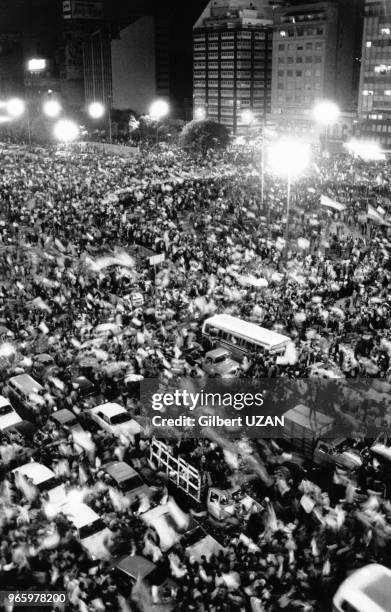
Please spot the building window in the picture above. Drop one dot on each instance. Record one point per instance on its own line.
(308, 45)
(318, 60)
(299, 60)
(283, 33)
(299, 73)
(368, 43)
(308, 73)
(281, 59)
(318, 72)
(320, 31)
(289, 73)
(280, 73)
(281, 47)
(367, 92)
(308, 59)
(280, 85)
(289, 60)
(385, 31)
(387, 92)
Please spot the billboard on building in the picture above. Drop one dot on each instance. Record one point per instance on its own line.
(83, 9)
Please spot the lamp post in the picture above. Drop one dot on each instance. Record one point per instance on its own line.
(158, 110)
(288, 158)
(326, 113)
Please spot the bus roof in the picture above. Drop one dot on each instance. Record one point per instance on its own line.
(249, 331)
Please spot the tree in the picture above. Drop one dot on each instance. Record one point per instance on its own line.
(200, 136)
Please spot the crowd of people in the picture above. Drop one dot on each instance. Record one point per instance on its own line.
(77, 229)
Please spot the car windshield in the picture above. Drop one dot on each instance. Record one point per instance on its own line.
(5, 410)
(117, 419)
(49, 484)
(131, 483)
(220, 358)
(91, 529)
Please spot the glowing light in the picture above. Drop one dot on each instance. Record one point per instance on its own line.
(35, 65)
(326, 112)
(288, 157)
(66, 130)
(16, 107)
(52, 108)
(368, 150)
(247, 117)
(200, 113)
(159, 109)
(96, 110)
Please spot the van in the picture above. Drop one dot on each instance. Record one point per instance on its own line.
(24, 392)
(92, 531)
(366, 590)
(242, 337)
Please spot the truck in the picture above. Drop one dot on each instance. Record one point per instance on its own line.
(311, 434)
(223, 505)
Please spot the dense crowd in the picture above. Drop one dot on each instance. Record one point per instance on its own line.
(76, 230)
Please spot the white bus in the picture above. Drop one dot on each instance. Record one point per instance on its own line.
(366, 590)
(241, 337)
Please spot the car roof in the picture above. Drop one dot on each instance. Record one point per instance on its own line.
(63, 416)
(4, 401)
(79, 514)
(36, 471)
(110, 409)
(368, 588)
(135, 566)
(119, 470)
(26, 383)
(43, 358)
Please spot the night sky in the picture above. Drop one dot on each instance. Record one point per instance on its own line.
(40, 21)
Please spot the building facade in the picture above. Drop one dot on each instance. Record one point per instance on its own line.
(232, 47)
(374, 101)
(80, 19)
(314, 48)
(97, 68)
(140, 64)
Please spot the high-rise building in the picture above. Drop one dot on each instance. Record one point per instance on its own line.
(232, 45)
(374, 102)
(11, 63)
(314, 51)
(80, 19)
(98, 85)
(140, 64)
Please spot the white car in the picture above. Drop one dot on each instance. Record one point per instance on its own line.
(8, 416)
(44, 479)
(114, 419)
(93, 533)
(368, 589)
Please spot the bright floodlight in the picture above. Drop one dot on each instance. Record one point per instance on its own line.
(35, 65)
(52, 108)
(326, 112)
(247, 117)
(289, 157)
(16, 107)
(66, 130)
(96, 110)
(159, 109)
(366, 149)
(200, 113)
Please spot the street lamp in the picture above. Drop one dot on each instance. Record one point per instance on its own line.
(96, 110)
(16, 107)
(158, 110)
(288, 158)
(52, 108)
(326, 113)
(66, 130)
(200, 113)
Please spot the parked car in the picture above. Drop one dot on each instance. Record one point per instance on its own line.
(218, 363)
(92, 532)
(26, 394)
(127, 570)
(43, 366)
(8, 415)
(114, 419)
(45, 480)
(127, 480)
(67, 419)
